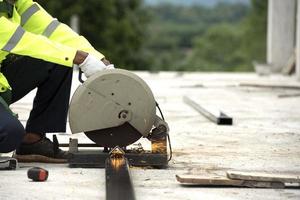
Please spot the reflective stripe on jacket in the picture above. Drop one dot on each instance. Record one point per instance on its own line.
(31, 31)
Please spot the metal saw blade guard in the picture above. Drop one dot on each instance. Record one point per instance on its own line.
(113, 107)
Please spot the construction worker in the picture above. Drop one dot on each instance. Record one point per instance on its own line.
(37, 51)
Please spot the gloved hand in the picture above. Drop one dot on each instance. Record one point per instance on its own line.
(91, 65)
(110, 66)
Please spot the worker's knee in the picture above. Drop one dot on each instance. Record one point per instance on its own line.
(11, 134)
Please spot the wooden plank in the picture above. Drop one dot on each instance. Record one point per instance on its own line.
(271, 86)
(288, 95)
(290, 66)
(213, 115)
(264, 184)
(194, 180)
(261, 176)
(214, 181)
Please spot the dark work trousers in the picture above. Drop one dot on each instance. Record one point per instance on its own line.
(50, 105)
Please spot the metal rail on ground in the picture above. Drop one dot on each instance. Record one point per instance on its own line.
(219, 118)
(118, 181)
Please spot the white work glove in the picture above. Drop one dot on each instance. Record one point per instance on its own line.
(92, 65)
(110, 66)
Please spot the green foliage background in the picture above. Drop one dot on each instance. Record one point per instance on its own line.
(114, 27)
(227, 37)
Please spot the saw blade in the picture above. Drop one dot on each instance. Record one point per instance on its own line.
(122, 136)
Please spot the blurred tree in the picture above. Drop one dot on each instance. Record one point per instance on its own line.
(217, 50)
(114, 27)
(168, 37)
(173, 30)
(255, 31)
(232, 46)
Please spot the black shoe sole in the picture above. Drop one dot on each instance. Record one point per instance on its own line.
(38, 158)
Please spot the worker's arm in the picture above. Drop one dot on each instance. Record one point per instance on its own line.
(16, 40)
(36, 20)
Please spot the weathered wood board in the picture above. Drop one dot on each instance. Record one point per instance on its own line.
(261, 176)
(289, 95)
(290, 66)
(213, 181)
(271, 86)
(194, 180)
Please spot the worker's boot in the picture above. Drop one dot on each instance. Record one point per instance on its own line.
(43, 150)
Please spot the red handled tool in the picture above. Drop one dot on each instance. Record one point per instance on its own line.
(37, 174)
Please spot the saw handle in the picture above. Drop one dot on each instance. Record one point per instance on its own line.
(80, 76)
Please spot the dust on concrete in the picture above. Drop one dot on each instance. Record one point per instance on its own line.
(265, 137)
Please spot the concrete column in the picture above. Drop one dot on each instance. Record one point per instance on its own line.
(281, 32)
(298, 42)
(74, 23)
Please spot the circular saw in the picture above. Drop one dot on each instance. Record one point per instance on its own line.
(113, 108)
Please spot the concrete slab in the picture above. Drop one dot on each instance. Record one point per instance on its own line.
(265, 137)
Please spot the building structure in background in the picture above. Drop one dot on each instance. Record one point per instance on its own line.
(298, 42)
(283, 34)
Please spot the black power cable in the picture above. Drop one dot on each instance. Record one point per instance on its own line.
(168, 136)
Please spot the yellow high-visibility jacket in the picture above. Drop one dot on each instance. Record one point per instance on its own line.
(31, 31)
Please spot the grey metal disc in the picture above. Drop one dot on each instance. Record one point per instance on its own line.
(113, 107)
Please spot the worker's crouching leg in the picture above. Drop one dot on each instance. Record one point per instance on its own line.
(50, 105)
(11, 131)
(53, 83)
